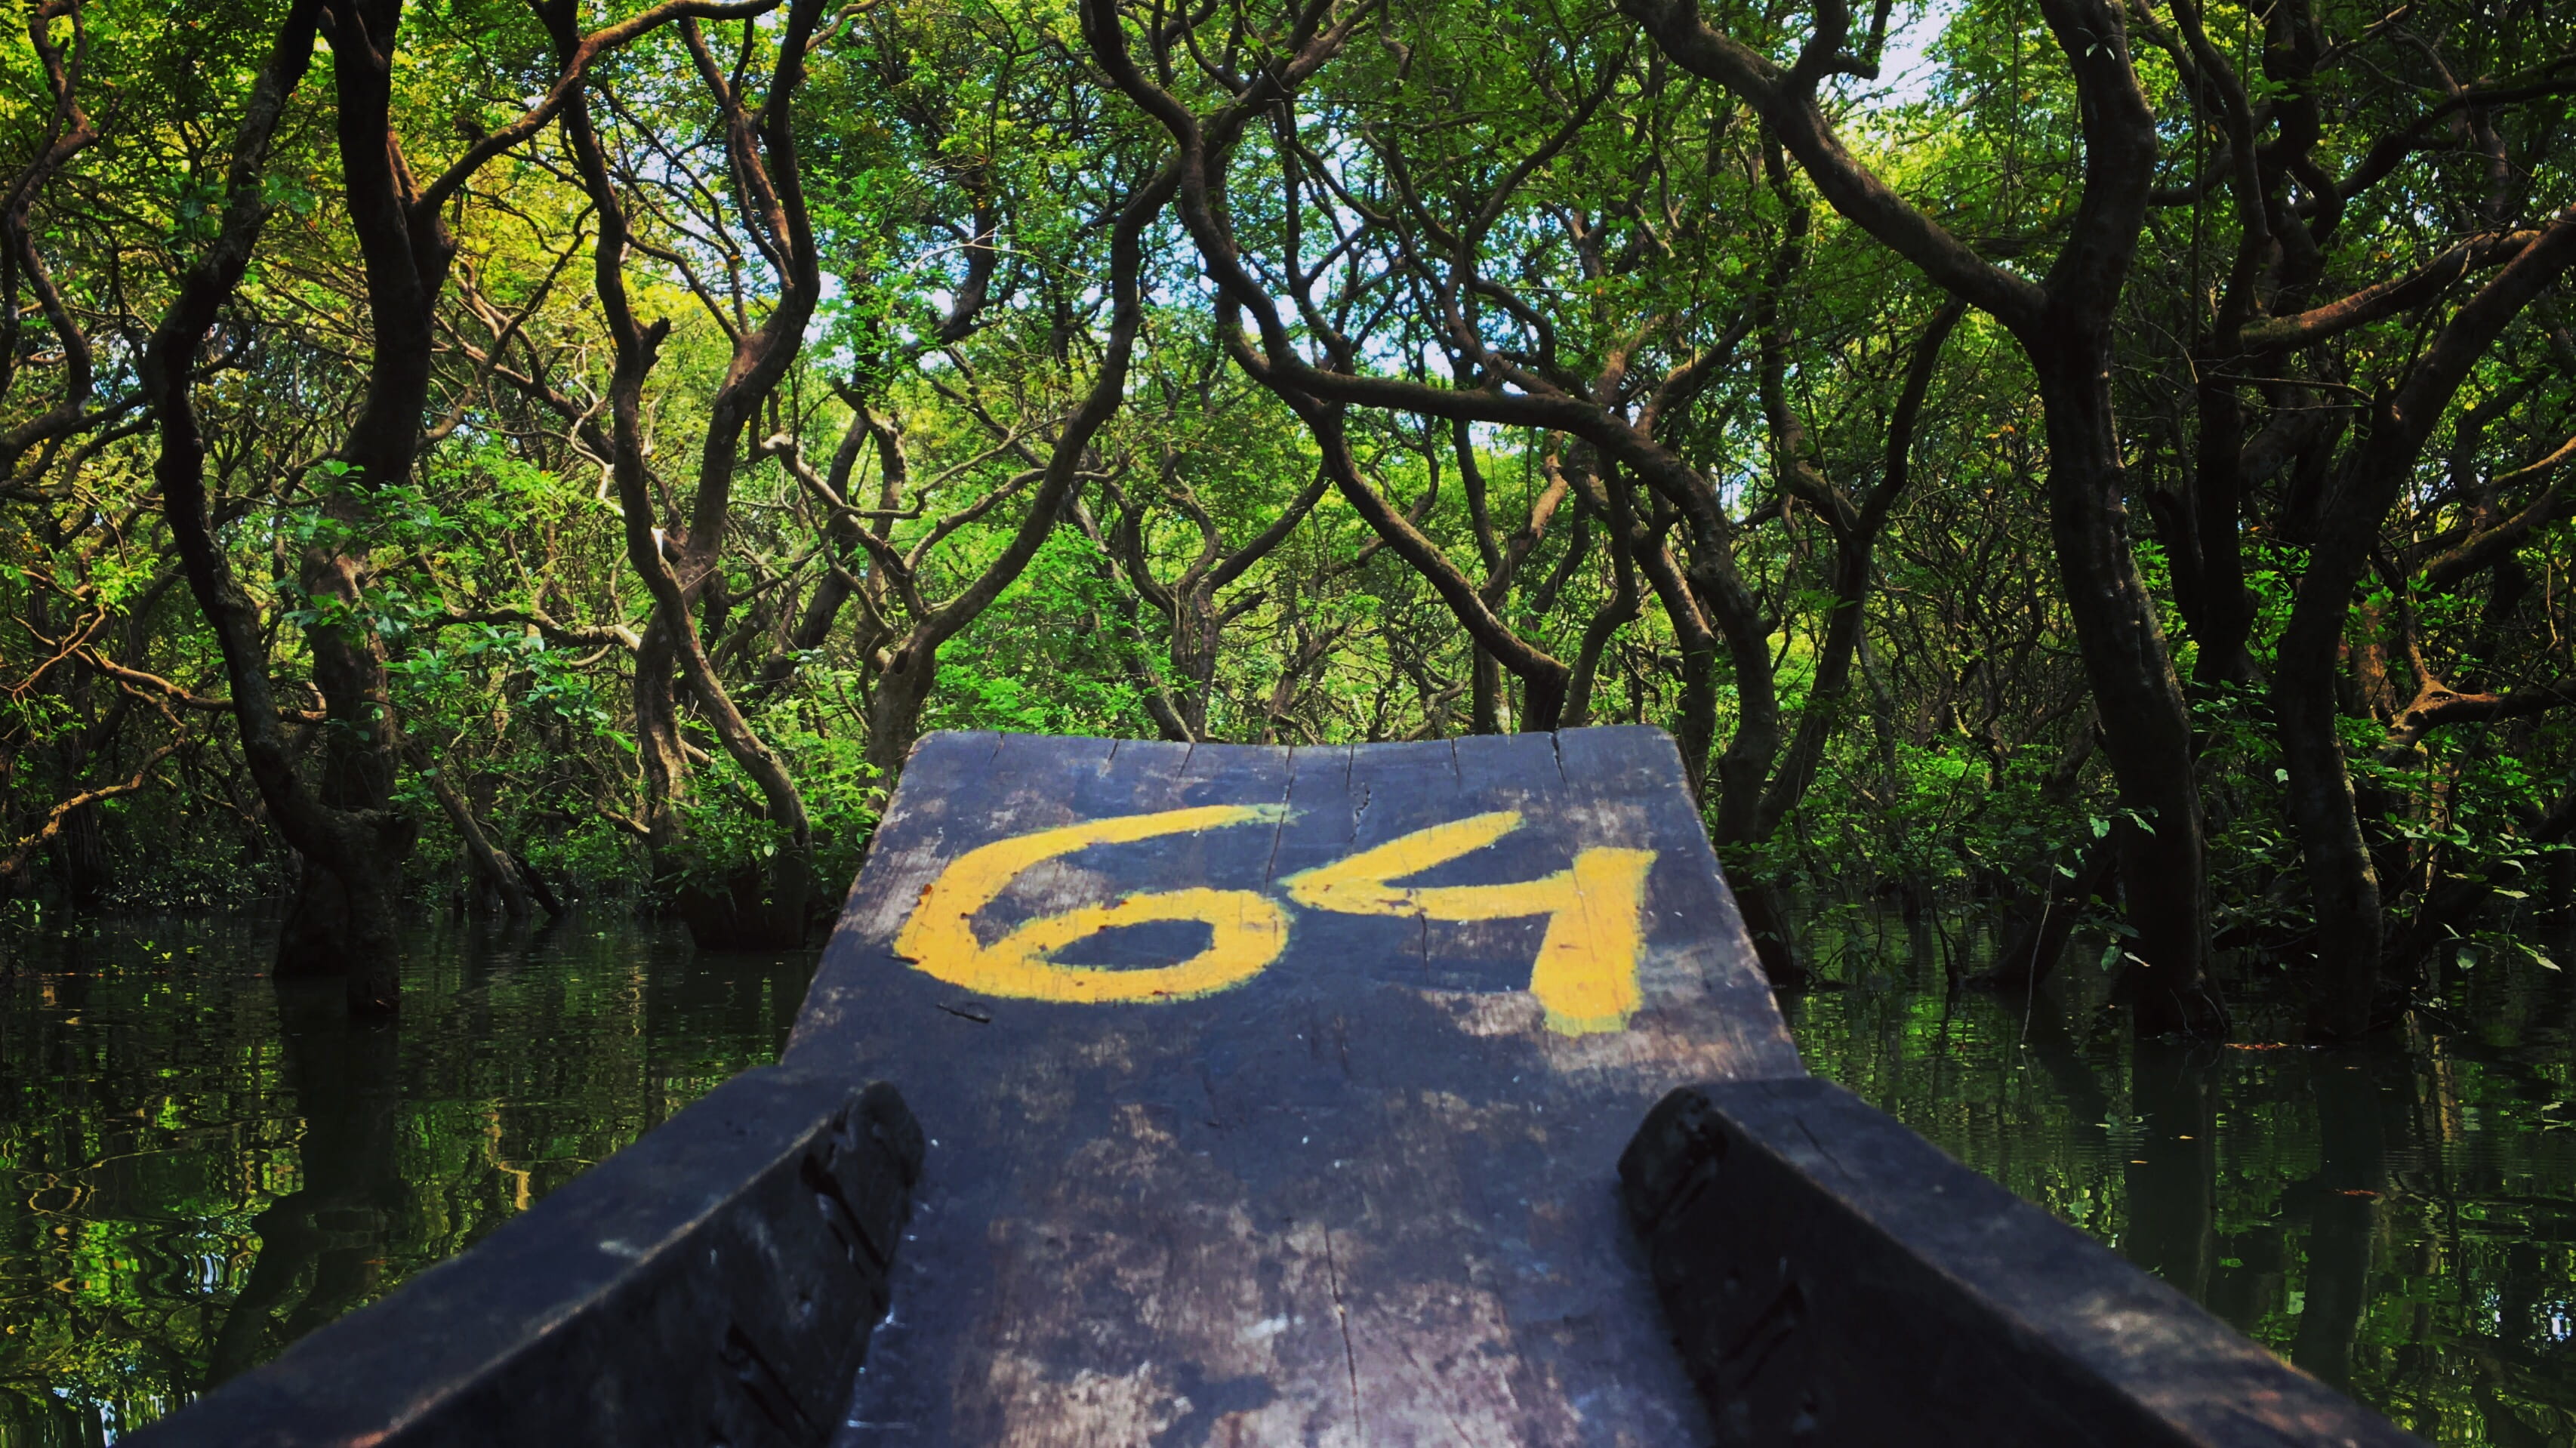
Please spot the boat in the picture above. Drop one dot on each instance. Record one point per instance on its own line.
(1159, 1094)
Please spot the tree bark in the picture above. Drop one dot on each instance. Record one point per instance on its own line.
(2145, 722)
(754, 905)
(1189, 604)
(405, 257)
(490, 867)
(348, 896)
(1319, 33)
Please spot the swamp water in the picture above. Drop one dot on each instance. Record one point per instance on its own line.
(197, 1165)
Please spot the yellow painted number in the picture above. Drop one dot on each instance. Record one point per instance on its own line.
(1246, 931)
(1586, 975)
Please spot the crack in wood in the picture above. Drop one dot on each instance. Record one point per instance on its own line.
(1350, 1352)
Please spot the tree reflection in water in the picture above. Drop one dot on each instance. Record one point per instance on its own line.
(201, 1164)
(2398, 1218)
(322, 1247)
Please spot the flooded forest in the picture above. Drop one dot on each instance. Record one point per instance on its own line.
(492, 491)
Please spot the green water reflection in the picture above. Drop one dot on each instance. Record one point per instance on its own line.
(2398, 1219)
(199, 1165)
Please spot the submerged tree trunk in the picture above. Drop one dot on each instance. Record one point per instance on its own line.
(2030, 952)
(757, 905)
(332, 1234)
(2145, 722)
(2343, 1220)
(2172, 1180)
(349, 898)
(345, 912)
(1855, 527)
(2041, 926)
(350, 926)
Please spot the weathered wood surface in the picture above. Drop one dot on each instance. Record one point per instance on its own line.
(1835, 1280)
(1363, 1194)
(712, 1284)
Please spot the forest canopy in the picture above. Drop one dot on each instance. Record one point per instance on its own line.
(2106, 460)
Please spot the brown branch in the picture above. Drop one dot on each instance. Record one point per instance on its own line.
(2447, 569)
(179, 470)
(562, 635)
(153, 686)
(569, 76)
(16, 858)
(1786, 99)
(2388, 298)
(2436, 705)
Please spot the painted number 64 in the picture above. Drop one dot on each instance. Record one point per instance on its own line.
(1585, 975)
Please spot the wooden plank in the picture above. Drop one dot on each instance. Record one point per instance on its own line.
(713, 1283)
(1350, 1182)
(1834, 1279)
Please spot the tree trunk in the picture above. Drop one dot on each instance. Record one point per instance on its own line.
(2343, 1221)
(2226, 621)
(845, 551)
(82, 853)
(406, 256)
(1485, 693)
(1766, 918)
(2146, 726)
(346, 916)
(491, 868)
(2173, 1191)
(1196, 633)
(348, 911)
(762, 906)
(1695, 712)
(79, 846)
(2343, 883)
(1616, 611)
(2030, 953)
(338, 1223)
(344, 902)
(894, 715)
(664, 764)
(352, 925)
